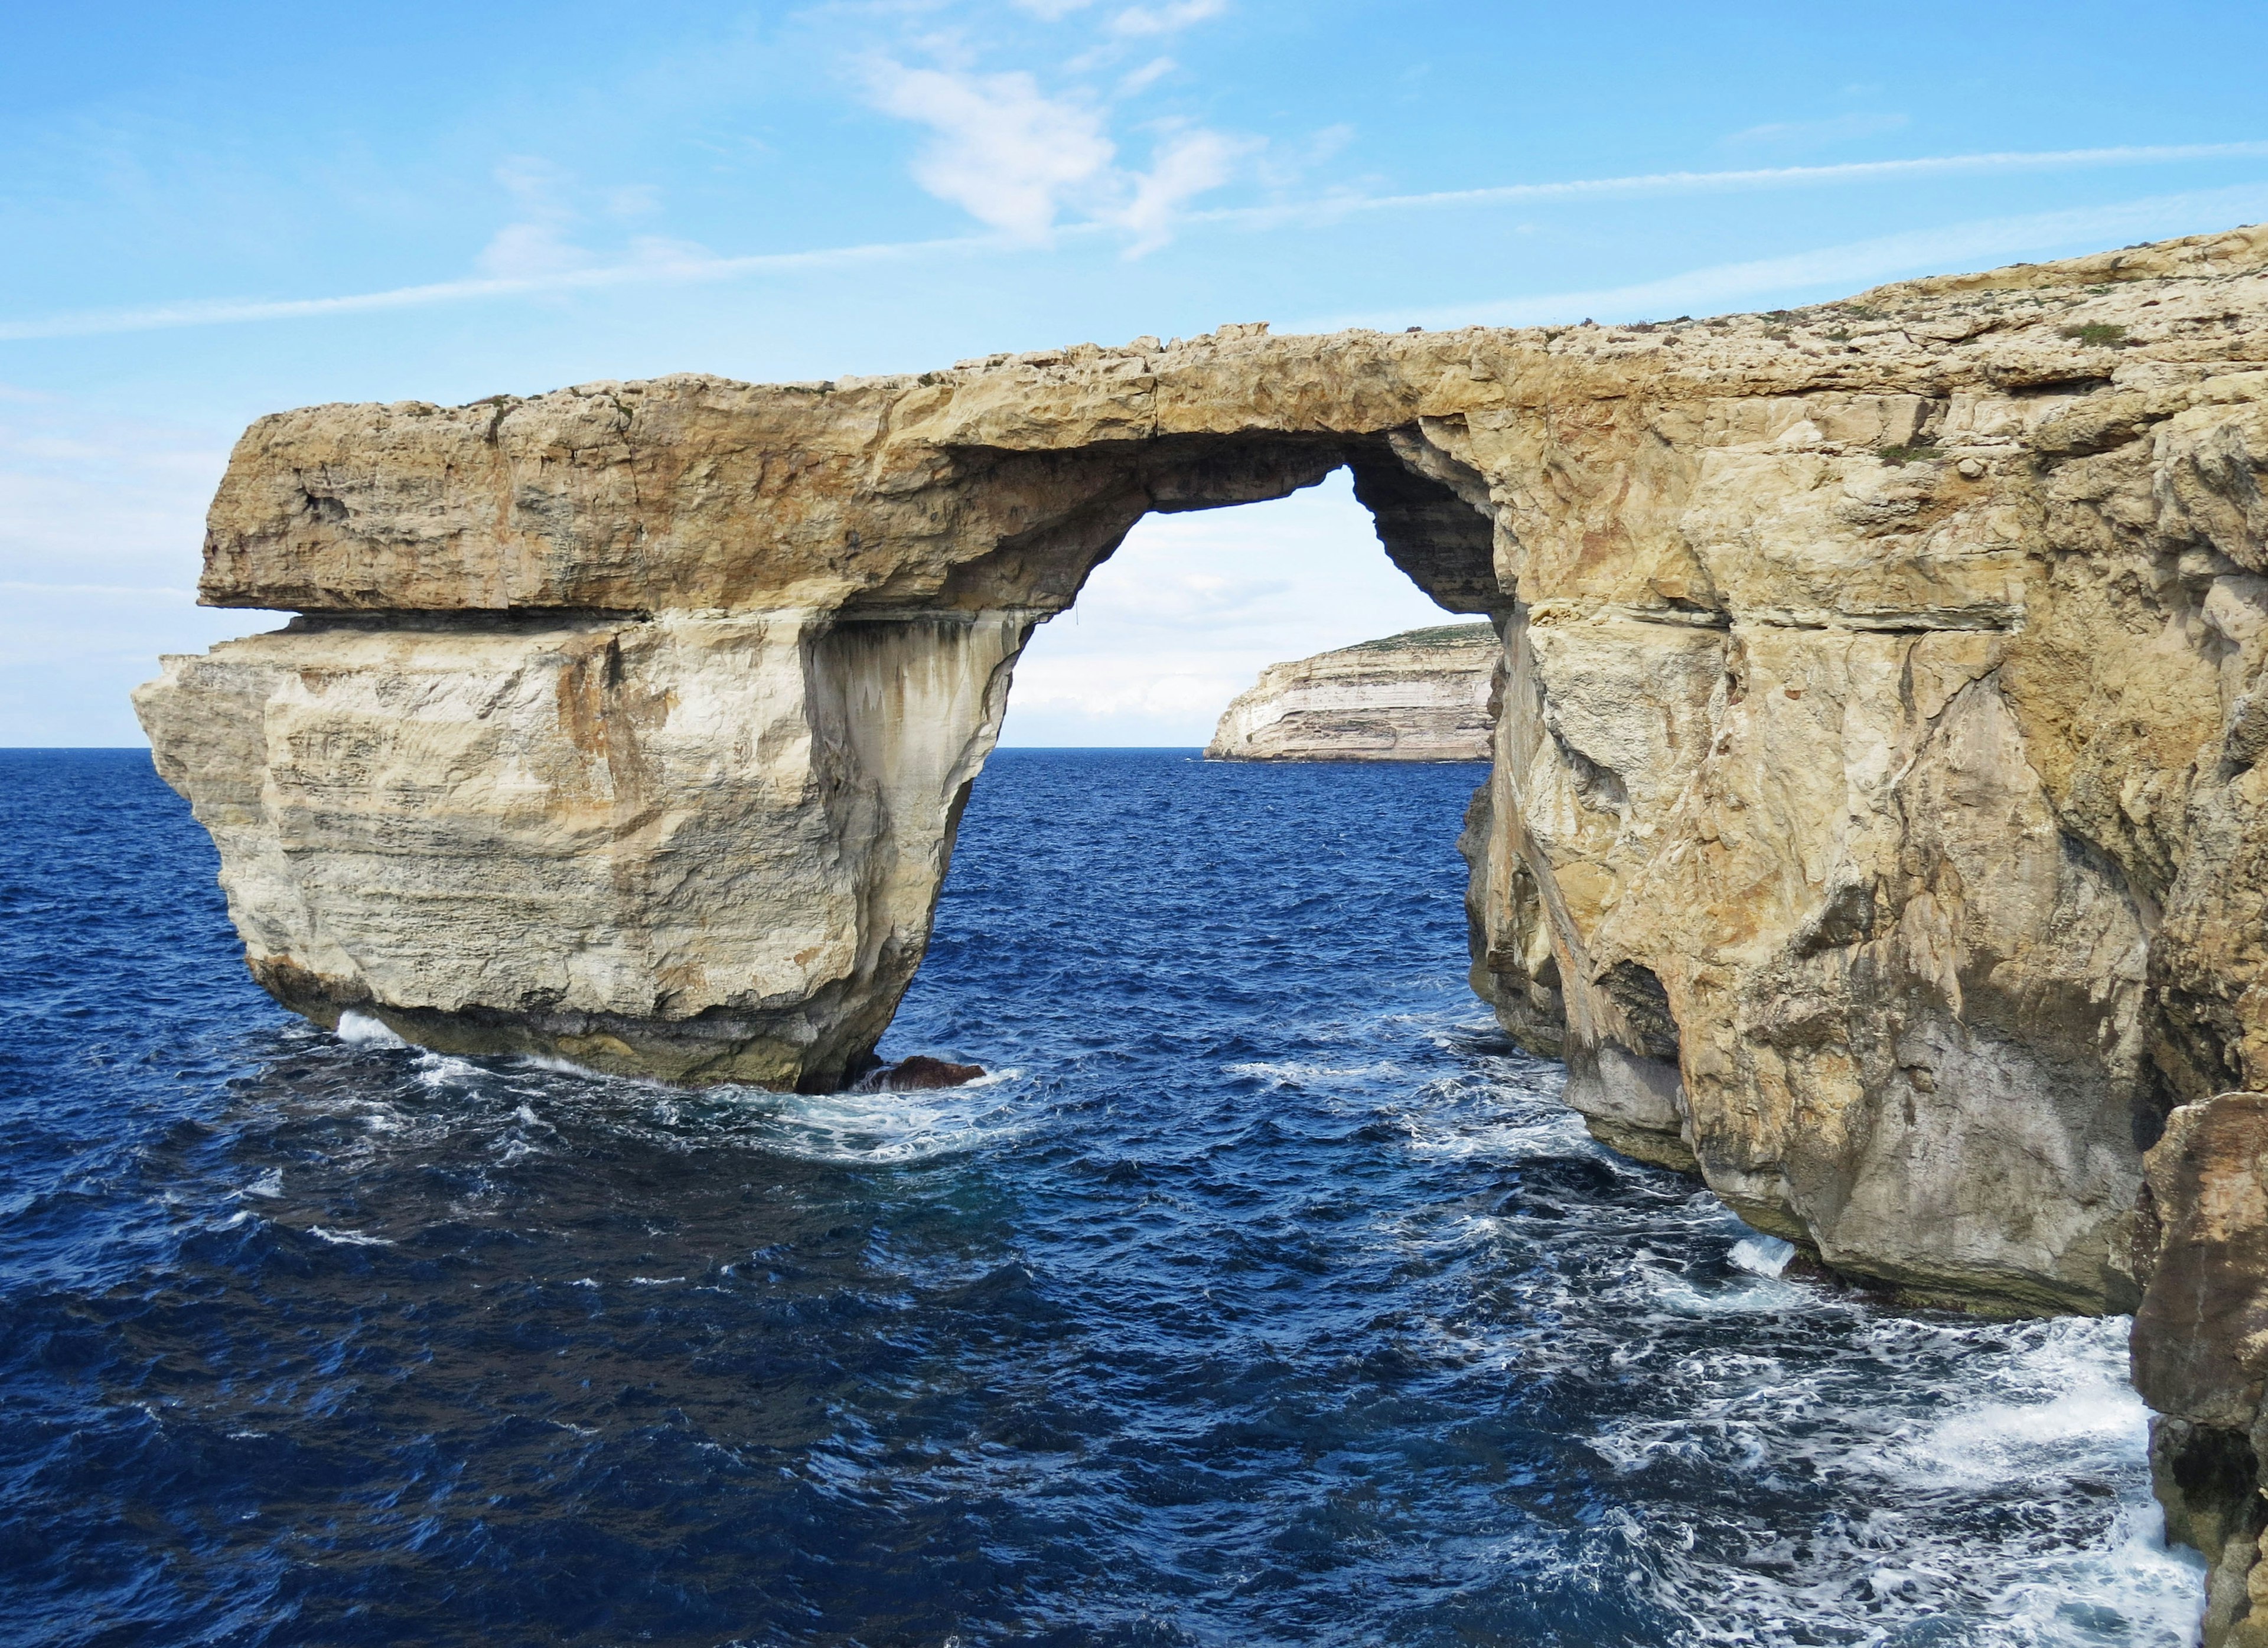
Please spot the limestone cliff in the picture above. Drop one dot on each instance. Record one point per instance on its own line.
(1422, 696)
(1873, 824)
(2201, 1348)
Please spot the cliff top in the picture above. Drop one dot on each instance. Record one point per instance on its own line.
(1476, 635)
(951, 488)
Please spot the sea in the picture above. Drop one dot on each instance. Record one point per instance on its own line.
(1261, 1294)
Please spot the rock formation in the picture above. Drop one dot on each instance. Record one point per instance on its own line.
(1422, 696)
(1874, 824)
(2201, 1348)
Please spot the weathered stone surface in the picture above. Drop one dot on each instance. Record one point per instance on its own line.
(1874, 821)
(2200, 1347)
(705, 848)
(1421, 695)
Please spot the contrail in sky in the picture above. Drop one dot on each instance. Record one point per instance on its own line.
(1845, 268)
(1765, 177)
(689, 270)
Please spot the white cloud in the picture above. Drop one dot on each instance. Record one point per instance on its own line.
(530, 251)
(633, 200)
(534, 244)
(1001, 150)
(1022, 158)
(1186, 164)
(536, 248)
(1162, 686)
(1165, 19)
(1147, 75)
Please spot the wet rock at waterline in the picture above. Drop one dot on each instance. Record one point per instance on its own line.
(1420, 696)
(1872, 825)
(921, 1073)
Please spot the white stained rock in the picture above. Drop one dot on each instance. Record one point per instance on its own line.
(1422, 696)
(705, 849)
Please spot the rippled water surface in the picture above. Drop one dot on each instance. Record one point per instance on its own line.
(1263, 1295)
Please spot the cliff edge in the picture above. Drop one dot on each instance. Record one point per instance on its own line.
(1422, 696)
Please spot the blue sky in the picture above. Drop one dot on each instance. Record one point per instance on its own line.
(218, 210)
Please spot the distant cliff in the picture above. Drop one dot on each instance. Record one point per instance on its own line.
(1419, 695)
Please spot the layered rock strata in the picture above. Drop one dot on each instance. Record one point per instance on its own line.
(1422, 696)
(1872, 825)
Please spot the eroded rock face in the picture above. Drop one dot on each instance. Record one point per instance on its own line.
(1873, 820)
(1422, 696)
(2200, 1347)
(703, 848)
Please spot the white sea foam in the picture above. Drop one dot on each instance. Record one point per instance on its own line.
(1991, 1475)
(1762, 1255)
(1293, 1073)
(558, 1066)
(2037, 1414)
(889, 1127)
(2064, 1398)
(361, 1030)
(348, 1238)
(440, 1070)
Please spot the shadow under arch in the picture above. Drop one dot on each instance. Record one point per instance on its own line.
(1431, 511)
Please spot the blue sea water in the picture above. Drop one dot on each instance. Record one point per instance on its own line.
(1264, 1295)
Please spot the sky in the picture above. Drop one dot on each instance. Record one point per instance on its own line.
(221, 210)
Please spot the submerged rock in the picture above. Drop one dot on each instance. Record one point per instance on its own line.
(921, 1073)
(1874, 825)
(1419, 695)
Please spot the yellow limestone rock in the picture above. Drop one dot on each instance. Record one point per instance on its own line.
(1874, 824)
(1422, 696)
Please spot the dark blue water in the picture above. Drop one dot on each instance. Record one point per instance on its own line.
(1263, 1297)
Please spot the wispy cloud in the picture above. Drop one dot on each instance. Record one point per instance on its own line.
(1165, 19)
(1785, 134)
(534, 243)
(658, 269)
(999, 148)
(1848, 266)
(1186, 164)
(1023, 159)
(1746, 178)
(662, 263)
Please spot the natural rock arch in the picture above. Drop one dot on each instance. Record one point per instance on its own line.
(1872, 805)
(665, 896)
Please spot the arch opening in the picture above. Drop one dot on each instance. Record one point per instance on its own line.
(1183, 616)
